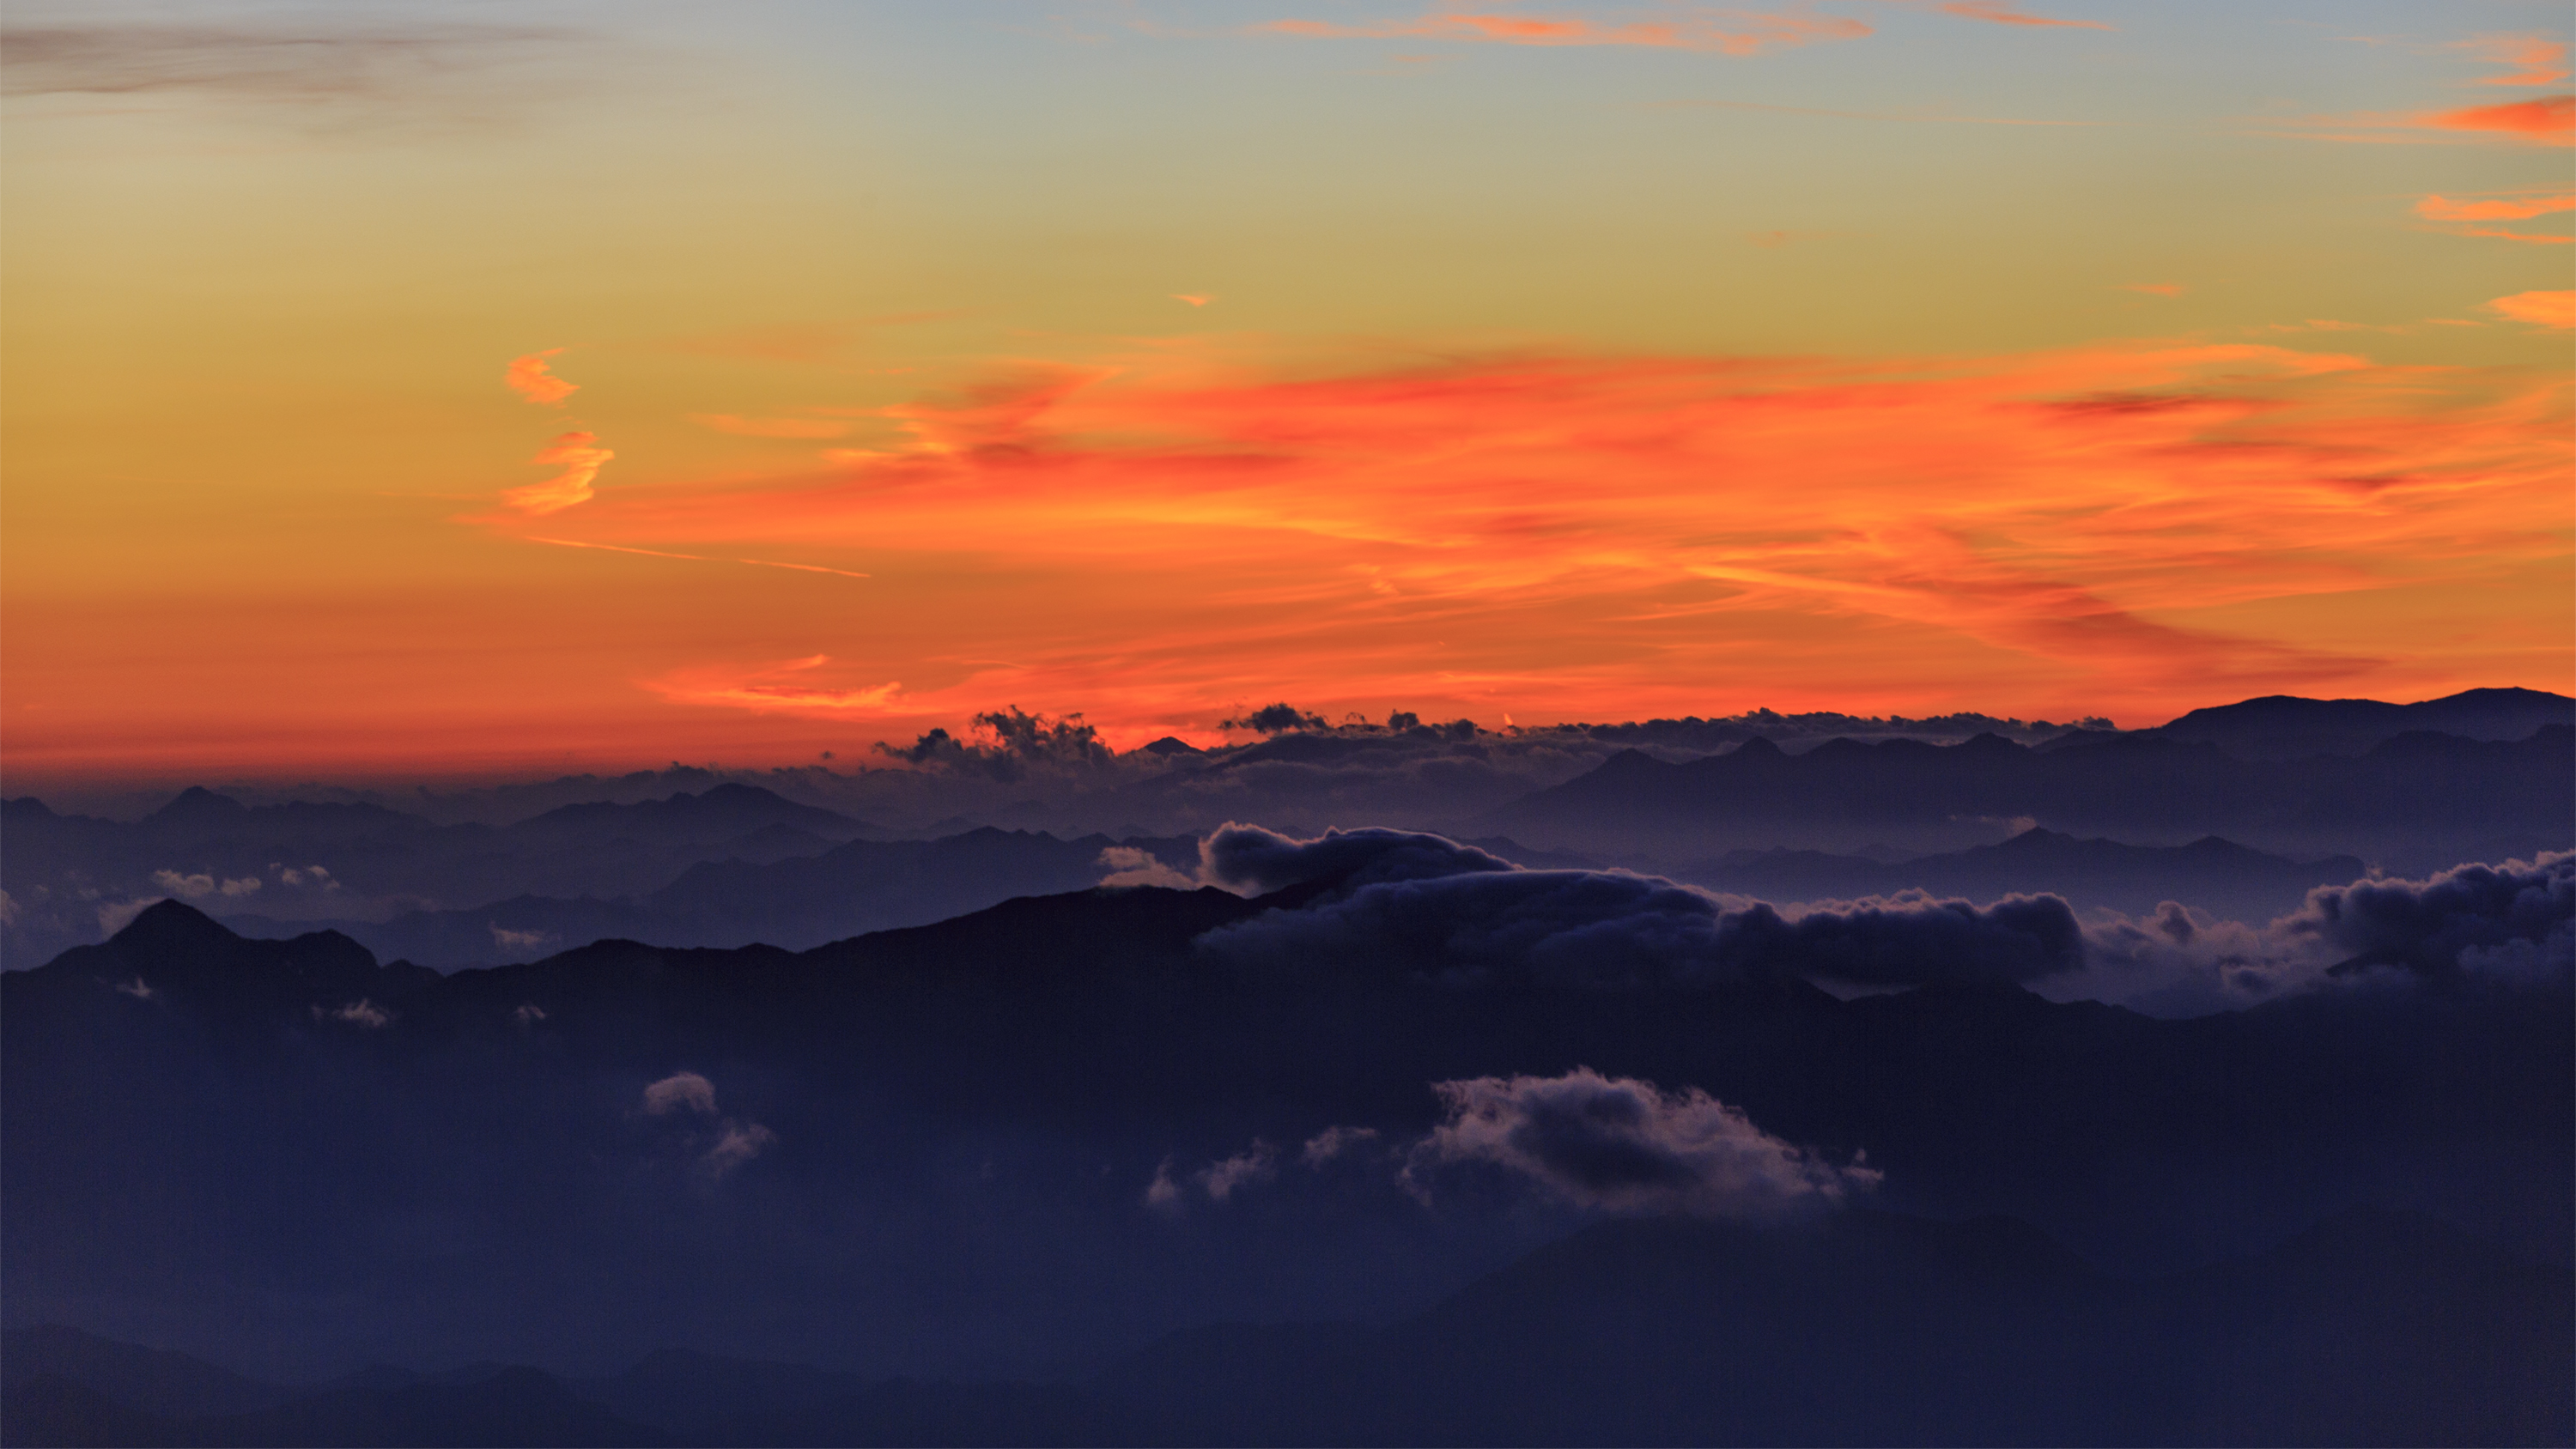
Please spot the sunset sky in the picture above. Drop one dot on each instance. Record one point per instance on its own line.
(466, 389)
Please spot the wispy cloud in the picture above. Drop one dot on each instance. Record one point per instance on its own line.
(758, 563)
(2155, 289)
(2550, 119)
(2084, 511)
(775, 688)
(1929, 118)
(770, 427)
(2540, 309)
(532, 378)
(579, 457)
(2542, 121)
(2530, 60)
(2005, 12)
(1677, 27)
(2521, 206)
(336, 69)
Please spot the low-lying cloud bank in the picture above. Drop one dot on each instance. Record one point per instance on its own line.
(1425, 904)
(1420, 903)
(2510, 924)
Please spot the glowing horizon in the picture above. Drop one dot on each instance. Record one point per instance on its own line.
(444, 397)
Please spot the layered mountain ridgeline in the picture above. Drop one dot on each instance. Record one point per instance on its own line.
(2211, 874)
(1085, 1120)
(1855, 1327)
(2415, 801)
(485, 893)
(298, 862)
(2287, 727)
(796, 903)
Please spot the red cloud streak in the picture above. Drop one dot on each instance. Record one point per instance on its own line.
(2130, 525)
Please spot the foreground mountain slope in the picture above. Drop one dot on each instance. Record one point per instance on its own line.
(1853, 1327)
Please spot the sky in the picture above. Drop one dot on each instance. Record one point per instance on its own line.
(477, 389)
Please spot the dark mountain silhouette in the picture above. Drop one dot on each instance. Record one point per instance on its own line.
(723, 813)
(2414, 802)
(1873, 1328)
(510, 1407)
(144, 1380)
(2217, 875)
(996, 1140)
(1855, 1327)
(2286, 727)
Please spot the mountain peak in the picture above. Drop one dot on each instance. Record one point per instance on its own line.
(199, 803)
(170, 925)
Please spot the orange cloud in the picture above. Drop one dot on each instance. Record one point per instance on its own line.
(1700, 28)
(770, 427)
(2155, 289)
(2544, 120)
(2549, 119)
(2141, 526)
(2540, 309)
(2005, 12)
(2534, 60)
(530, 378)
(1195, 299)
(2520, 207)
(580, 461)
(762, 690)
(2442, 208)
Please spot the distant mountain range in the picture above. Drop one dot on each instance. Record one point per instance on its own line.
(797, 903)
(1860, 1327)
(2286, 727)
(2413, 799)
(2216, 875)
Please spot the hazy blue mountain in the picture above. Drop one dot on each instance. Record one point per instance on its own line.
(797, 903)
(2413, 802)
(2217, 875)
(299, 864)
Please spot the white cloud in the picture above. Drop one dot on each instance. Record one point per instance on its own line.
(1257, 1163)
(1163, 1194)
(1130, 865)
(1332, 1142)
(681, 1091)
(736, 1143)
(203, 884)
(360, 1012)
(1624, 1145)
(115, 916)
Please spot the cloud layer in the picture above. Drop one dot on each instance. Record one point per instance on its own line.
(1622, 1145)
(1422, 904)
